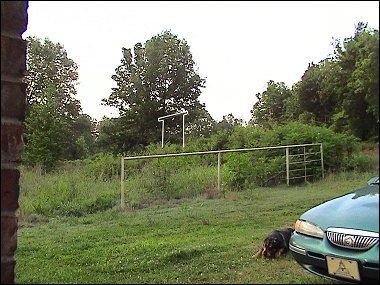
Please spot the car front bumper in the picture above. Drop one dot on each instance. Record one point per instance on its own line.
(311, 254)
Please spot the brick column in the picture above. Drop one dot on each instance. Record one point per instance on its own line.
(13, 98)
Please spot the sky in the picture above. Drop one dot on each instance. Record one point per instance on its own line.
(237, 46)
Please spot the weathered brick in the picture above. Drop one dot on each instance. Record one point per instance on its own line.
(14, 19)
(13, 100)
(10, 189)
(8, 235)
(13, 60)
(12, 143)
(14, 16)
(7, 272)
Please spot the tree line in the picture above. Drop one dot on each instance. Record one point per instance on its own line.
(340, 92)
(160, 77)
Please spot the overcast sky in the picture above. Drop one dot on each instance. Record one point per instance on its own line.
(237, 46)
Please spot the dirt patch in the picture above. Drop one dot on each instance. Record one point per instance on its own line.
(371, 151)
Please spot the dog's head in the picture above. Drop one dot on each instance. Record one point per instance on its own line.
(276, 243)
(272, 245)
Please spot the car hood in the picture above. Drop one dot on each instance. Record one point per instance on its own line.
(356, 210)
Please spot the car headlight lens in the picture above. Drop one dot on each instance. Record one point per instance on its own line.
(307, 228)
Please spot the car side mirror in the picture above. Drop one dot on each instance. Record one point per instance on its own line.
(373, 180)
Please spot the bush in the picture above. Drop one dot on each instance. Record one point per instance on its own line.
(361, 162)
(265, 168)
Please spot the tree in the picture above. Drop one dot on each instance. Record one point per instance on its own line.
(49, 66)
(51, 125)
(202, 126)
(271, 104)
(316, 92)
(46, 132)
(112, 136)
(84, 130)
(228, 123)
(154, 80)
(358, 83)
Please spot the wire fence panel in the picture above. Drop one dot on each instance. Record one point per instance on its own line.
(178, 175)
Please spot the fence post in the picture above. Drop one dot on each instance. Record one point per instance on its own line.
(304, 162)
(122, 198)
(162, 134)
(322, 165)
(219, 172)
(287, 165)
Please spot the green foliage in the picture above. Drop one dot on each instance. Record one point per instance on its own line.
(268, 167)
(219, 140)
(253, 169)
(49, 66)
(84, 129)
(271, 104)
(341, 92)
(154, 80)
(335, 146)
(82, 149)
(228, 123)
(160, 182)
(361, 162)
(102, 167)
(74, 188)
(111, 138)
(150, 180)
(358, 83)
(202, 126)
(46, 133)
(317, 97)
(54, 124)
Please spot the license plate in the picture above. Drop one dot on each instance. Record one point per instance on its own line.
(344, 268)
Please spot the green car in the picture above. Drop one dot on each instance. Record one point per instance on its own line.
(339, 239)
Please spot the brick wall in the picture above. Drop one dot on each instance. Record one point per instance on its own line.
(13, 98)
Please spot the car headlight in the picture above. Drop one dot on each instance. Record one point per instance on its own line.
(307, 228)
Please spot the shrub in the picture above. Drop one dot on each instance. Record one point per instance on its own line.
(361, 162)
(266, 168)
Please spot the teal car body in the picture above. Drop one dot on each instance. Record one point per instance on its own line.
(339, 239)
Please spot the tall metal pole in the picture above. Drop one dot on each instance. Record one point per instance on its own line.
(161, 119)
(162, 132)
(122, 198)
(183, 130)
(219, 172)
(304, 162)
(287, 167)
(322, 166)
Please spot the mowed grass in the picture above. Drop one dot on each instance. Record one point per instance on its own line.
(183, 241)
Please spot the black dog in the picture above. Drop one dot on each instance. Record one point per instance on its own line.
(275, 244)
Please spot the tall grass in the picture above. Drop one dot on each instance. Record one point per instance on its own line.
(84, 187)
(65, 193)
(196, 241)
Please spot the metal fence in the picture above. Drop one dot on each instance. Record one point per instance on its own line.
(298, 161)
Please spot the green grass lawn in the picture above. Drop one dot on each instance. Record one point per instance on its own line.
(183, 241)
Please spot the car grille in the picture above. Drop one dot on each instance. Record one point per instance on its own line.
(352, 239)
